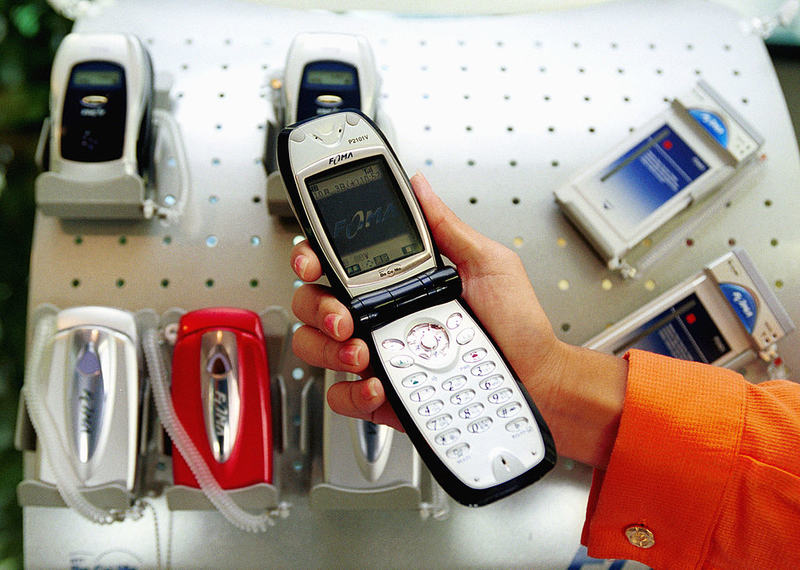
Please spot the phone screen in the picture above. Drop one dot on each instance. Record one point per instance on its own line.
(365, 216)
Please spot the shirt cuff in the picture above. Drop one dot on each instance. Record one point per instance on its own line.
(679, 433)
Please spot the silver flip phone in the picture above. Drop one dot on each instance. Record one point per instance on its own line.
(468, 415)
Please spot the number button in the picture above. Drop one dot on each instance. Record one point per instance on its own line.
(501, 396)
(415, 380)
(422, 394)
(454, 321)
(510, 410)
(474, 355)
(459, 451)
(465, 336)
(492, 382)
(393, 344)
(472, 411)
(454, 383)
(448, 437)
(401, 361)
(432, 408)
(483, 369)
(480, 425)
(517, 425)
(440, 422)
(462, 398)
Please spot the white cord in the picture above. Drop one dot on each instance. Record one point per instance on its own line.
(177, 433)
(48, 436)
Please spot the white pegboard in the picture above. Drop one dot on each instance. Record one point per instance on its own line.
(497, 112)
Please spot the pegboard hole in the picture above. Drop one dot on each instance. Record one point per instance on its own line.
(216, 161)
(253, 283)
(512, 163)
(209, 283)
(689, 242)
(296, 284)
(169, 200)
(650, 285)
(120, 283)
(164, 283)
(731, 242)
(561, 242)
(256, 199)
(518, 241)
(213, 199)
(78, 240)
(166, 240)
(768, 203)
(470, 162)
(554, 164)
(563, 285)
(473, 200)
(76, 283)
(123, 240)
(255, 241)
(779, 284)
(212, 241)
(565, 327)
(298, 373)
(773, 242)
(515, 200)
(606, 284)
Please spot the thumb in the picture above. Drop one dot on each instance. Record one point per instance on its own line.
(456, 240)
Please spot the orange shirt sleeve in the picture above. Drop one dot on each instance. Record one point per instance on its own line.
(705, 471)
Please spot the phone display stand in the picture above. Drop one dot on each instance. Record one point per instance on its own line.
(126, 197)
(341, 480)
(32, 491)
(497, 112)
(262, 496)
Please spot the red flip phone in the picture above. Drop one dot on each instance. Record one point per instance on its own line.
(221, 394)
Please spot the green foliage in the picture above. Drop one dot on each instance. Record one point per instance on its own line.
(30, 32)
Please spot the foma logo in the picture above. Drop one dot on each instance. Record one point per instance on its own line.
(340, 157)
(361, 220)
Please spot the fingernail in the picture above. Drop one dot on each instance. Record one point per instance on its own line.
(350, 355)
(300, 264)
(372, 387)
(332, 324)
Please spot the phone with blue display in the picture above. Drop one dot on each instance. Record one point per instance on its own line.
(328, 72)
(463, 407)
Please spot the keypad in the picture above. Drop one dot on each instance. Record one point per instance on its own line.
(457, 387)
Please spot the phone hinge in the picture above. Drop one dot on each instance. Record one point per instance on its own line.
(432, 287)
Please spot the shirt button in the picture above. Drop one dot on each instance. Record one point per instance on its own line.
(640, 536)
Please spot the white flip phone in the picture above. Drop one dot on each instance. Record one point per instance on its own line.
(464, 409)
(101, 102)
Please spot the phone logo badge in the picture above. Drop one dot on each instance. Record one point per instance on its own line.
(94, 101)
(743, 302)
(389, 271)
(340, 157)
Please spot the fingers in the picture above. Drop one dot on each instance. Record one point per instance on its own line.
(456, 240)
(305, 262)
(363, 399)
(317, 349)
(317, 307)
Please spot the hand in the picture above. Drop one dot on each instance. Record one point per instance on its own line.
(497, 289)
